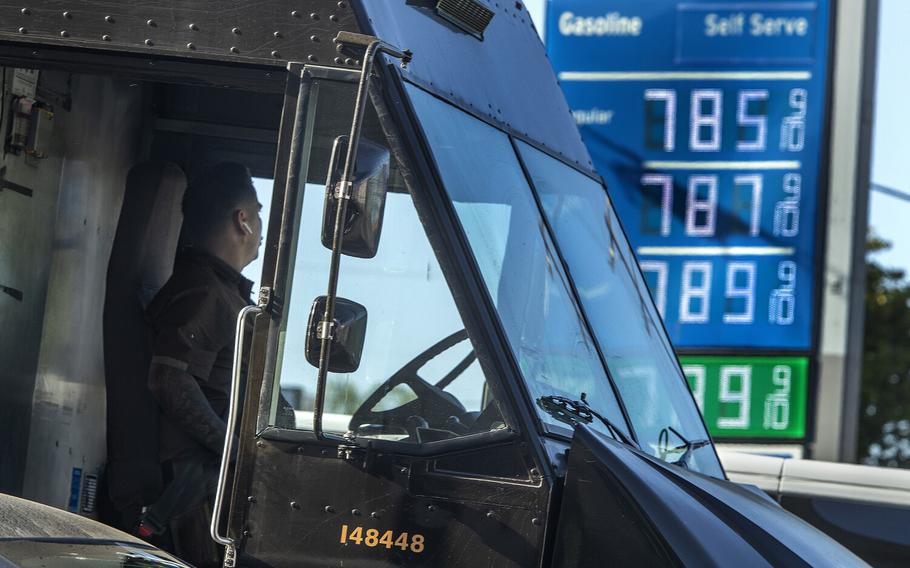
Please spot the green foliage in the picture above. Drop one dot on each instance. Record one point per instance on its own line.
(884, 430)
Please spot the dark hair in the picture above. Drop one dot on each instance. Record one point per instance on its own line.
(212, 198)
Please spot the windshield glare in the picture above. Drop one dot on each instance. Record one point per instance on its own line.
(617, 303)
(517, 259)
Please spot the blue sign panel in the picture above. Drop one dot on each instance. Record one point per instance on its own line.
(705, 118)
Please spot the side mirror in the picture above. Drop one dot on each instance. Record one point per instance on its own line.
(363, 218)
(348, 334)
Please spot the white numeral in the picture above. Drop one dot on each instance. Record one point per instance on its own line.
(755, 181)
(744, 119)
(745, 291)
(695, 299)
(669, 98)
(710, 120)
(786, 211)
(659, 269)
(793, 127)
(665, 182)
(777, 404)
(706, 205)
(782, 303)
(696, 376)
(739, 397)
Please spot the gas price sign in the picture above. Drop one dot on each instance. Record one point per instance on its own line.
(705, 118)
(741, 397)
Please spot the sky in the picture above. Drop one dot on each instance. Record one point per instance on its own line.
(888, 216)
(891, 138)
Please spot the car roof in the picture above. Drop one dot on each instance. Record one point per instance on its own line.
(20, 518)
(819, 478)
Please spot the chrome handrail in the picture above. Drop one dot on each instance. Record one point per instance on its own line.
(232, 418)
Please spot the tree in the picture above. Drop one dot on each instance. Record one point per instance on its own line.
(884, 430)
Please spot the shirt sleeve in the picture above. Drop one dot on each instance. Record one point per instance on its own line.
(189, 332)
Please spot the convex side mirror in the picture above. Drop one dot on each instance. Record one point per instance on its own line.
(363, 217)
(348, 333)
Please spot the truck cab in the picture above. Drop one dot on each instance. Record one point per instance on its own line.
(448, 299)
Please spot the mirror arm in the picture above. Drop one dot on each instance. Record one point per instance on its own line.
(326, 326)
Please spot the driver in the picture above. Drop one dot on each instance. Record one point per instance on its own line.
(192, 320)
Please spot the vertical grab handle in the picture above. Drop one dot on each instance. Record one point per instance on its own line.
(232, 418)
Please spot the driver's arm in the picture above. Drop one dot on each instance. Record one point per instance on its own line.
(190, 329)
(182, 400)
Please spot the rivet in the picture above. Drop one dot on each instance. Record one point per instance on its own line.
(311, 58)
(191, 45)
(247, 533)
(64, 33)
(329, 509)
(235, 31)
(194, 27)
(276, 54)
(260, 444)
(251, 499)
(314, 38)
(355, 512)
(339, 60)
(109, 19)
(151, 23)
(149, 42)
(491, 515)
(333, 17)
(536, 522)
(25, 11)
(339, 47)
(375, 515)
(295, 505)
(106, 37)
(67, 15)
(23, 31)
(235, 50)
(357, 62)
(276, 34)
(349, 61)
(295, 13)
(341, 4)
(314, 16)
(534, 472)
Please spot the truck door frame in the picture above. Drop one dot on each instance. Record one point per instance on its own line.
(257, 438)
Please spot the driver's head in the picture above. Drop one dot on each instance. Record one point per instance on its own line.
(221, 214)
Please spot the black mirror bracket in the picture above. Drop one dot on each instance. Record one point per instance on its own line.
(373, 46)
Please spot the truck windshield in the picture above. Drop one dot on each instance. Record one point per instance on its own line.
(518, 261)
(524, 274)
(626, 324)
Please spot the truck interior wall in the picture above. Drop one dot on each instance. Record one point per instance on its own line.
(58, 244)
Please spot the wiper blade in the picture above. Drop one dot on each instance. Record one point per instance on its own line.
(575, 412)
(688, 446)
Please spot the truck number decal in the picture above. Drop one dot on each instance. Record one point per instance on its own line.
(373, 538)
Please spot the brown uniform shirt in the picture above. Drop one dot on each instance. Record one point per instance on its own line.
(193, 319)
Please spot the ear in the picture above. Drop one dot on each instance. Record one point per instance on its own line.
(241, 221)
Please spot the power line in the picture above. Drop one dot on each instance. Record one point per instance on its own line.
(903, 195)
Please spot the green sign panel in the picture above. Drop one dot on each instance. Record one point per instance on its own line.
(750, 397)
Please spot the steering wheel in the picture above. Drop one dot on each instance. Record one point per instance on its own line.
(433, 413)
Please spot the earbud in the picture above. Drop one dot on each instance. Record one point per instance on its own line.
(246, 227)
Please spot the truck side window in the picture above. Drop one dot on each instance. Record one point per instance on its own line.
(418, 379)
(614, 297)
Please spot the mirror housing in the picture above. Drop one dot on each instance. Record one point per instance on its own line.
(347, 336)
(363, 217)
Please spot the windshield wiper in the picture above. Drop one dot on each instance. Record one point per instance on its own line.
(687, 446)
(574, 412)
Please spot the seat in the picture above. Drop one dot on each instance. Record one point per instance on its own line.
(142, 260)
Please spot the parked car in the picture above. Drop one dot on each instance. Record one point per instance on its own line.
(865, 508)
(33, 535)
